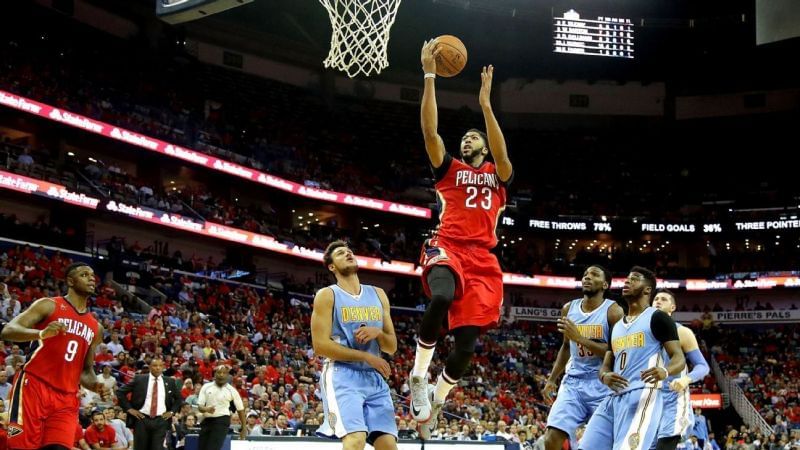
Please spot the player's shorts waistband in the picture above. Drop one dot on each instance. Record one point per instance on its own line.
(441, 241)
(45, 382)
(343, 365)
(585, 376)
(636, 389)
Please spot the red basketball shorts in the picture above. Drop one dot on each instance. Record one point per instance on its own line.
(479, 281)
(40, 415)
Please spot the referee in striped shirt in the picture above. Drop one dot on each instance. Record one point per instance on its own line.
(214, 401)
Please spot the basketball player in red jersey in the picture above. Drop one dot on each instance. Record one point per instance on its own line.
(461, 277)
(44, 397)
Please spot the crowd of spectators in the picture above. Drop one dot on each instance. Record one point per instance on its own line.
(361, 145)
(764, 361)
(263, 335)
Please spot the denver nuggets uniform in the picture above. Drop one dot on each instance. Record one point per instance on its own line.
(355, 396)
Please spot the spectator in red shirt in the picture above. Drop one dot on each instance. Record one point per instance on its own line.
(98, 435)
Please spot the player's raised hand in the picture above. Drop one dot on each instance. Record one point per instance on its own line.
(430, 51)
(366, 334)
(569, 329)
(53, 329)
(615, 381)
(549, 392)
(486, 86)
(654, 374)
(380, 365)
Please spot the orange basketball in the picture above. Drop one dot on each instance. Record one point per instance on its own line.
(452, 56)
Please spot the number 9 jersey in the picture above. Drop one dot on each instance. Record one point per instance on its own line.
(58, 360)
(470, 202)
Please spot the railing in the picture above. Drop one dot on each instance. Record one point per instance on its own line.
(740, 403)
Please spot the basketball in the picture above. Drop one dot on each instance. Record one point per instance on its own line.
(452, 57)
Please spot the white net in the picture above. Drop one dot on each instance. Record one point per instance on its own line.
(360, 34)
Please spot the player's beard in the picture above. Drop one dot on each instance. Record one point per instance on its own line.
(590, 292)
(473, 154)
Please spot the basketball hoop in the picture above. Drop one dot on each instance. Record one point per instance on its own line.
(360, 34)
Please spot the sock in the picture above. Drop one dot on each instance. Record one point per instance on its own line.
(422, 359)
(443, 387)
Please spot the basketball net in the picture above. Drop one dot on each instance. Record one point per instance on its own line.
(360, 34)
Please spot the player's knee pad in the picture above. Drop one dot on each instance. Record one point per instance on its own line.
(442, 284)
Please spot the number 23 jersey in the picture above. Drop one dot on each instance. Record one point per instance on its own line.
(59, 360)
(470, 202)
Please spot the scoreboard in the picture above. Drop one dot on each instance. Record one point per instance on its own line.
(605, 36)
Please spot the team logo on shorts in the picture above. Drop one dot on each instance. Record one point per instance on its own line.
(332, 419)
(14, 430)
(633, 441)
(433, 255)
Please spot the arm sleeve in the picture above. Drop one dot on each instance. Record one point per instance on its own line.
(699, 365)
(663, 327)
(441, 171)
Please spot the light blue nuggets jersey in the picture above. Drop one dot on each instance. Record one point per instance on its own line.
(594, 326)
(635, 349)
(353, 312)
(665, 362)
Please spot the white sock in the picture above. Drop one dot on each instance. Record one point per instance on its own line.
(422, 359)
(443, 387)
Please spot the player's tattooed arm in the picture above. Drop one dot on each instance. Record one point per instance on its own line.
(21, 328)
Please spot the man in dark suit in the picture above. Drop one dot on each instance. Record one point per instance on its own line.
(154, 399)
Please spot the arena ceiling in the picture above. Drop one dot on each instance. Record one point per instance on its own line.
(675, 38)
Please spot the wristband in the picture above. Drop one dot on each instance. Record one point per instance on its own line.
(430, 75)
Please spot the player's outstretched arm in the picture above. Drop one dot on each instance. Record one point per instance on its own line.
(387, 340)
(21, 328)
(429, 113)
(497, 143)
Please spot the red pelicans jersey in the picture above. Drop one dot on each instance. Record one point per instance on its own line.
(59, 360)
(470, 202)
